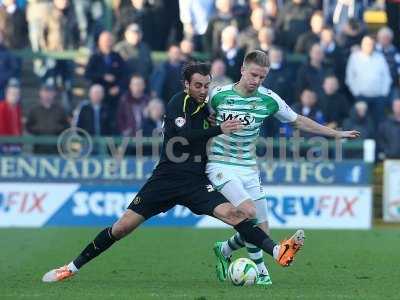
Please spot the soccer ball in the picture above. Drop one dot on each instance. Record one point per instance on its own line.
(242, 271)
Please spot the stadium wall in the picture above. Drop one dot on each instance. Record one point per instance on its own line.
(37, 191)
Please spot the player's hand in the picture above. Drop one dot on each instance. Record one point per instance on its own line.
(352, 134)
(212, 119)
(231, 126)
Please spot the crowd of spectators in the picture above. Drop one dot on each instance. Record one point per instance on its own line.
(349, 77)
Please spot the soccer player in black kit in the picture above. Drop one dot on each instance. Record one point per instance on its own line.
(179, 178)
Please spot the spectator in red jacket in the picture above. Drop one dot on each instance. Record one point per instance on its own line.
(10, 112)
(10, 118)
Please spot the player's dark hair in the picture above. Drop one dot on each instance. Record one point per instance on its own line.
(258, 57)
(194, 67)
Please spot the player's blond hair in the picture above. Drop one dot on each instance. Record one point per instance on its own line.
(258, 57)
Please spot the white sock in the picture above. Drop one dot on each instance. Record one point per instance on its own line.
(275, 251)
(262, 269)
(226, 250)
(256, 255)
(235, 242)
(72, 267)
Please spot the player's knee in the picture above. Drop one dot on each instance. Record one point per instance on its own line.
(119, 230)
(232, 215)
(227, 213)
(247, 210)
(251, 213)
(126, 224)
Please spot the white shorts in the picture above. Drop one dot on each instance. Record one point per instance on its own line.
(239, 184)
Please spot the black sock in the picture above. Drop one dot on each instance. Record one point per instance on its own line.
(102, 242)
(254, 235)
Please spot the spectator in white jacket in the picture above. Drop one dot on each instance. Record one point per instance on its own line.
(368, 78)
(195, 16)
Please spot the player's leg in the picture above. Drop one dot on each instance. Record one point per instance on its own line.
(241, 191)
(223, 250)
(252, 184)
(226, 182)
(255, 253)
(283, 253)
(235, 242)
(249, 188)
(204, 202)
(154, 197)
(234, 190)
(227, 213)
(232, 187)
(104, 240)
(129, 221)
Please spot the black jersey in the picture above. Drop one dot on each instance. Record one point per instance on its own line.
(179, 177)
(186, 133)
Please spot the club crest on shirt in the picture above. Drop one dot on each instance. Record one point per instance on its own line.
(253, 104)
(180, 121)
(210, 188)
(220, 176)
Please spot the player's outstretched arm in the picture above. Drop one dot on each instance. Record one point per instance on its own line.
(308, 125)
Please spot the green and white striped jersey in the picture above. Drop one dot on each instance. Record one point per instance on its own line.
(238, 148)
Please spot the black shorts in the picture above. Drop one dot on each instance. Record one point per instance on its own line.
(161, 192)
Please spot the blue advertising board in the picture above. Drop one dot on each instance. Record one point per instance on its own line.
(37, 191)
(95, 170)
(70, 204)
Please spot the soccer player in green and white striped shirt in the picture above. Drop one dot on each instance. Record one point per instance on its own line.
(232, 166)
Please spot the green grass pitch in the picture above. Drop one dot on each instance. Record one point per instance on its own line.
(174, 263)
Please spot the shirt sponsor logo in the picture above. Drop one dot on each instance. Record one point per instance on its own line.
(246, 119)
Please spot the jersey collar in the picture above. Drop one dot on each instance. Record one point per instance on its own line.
(186, 103)
(234, 88)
